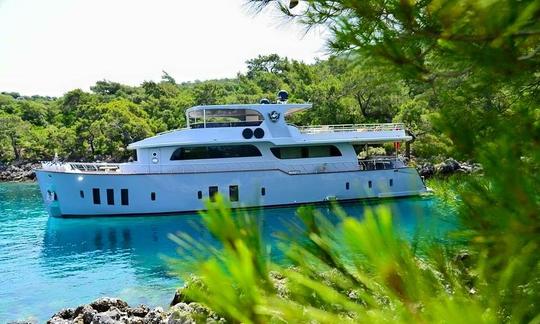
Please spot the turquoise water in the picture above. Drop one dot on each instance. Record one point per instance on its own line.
(50, 263)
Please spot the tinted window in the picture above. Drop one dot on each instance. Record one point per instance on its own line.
(110, 197)
(300, 152)
(233, 193)
(124, 197)
(97, 198)
(212, 191)
(214, 152)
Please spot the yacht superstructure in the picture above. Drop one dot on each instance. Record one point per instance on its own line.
(247, 153)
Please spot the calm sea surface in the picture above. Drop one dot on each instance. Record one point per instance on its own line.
(49, 263)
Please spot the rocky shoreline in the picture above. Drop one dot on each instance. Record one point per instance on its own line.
(448, 167)
(108, 310)
(19, 172)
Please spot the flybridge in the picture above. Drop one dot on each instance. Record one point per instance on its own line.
(239, 115)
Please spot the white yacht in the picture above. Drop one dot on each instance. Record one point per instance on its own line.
(247, 153)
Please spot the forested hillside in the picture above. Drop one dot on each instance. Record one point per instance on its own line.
(98, 125)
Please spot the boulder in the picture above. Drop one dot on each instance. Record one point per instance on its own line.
(447, 167)
(426, 170)
(155, 316)
(105, 303)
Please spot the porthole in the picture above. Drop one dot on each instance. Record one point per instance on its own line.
(259, 133)
(247, 133)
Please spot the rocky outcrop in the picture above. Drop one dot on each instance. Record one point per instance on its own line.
(18, 172)
(447, 167)
(115, 311)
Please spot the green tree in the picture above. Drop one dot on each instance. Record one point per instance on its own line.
(13, 129)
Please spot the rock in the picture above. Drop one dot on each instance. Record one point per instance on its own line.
(105, 303)
(426, 170)
(18, 171)
(85, 313)
(180, 296)
(447, 167)
(108, 310)
(155, 316)
(183, 313)
(140, 311)
(280, 283)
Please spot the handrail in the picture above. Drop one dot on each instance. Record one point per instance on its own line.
(139, 168)
(351, 128)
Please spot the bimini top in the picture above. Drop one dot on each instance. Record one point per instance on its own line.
(237, 124)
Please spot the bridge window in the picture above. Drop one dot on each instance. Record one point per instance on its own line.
(214, 152)
(302, 152)
(208, 118)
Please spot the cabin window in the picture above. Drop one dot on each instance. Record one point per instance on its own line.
(214, 152)
(302, 152)
(370, 184)
(124, 195)
(199, 194)
(212, 191)
(110, 197)
(347, 186)
(233, 193)
(81, 193)
(153, 196)
(263, 191)
(96, 196)
(391, 182)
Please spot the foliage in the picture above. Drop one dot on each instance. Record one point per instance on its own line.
(471, 71)
(99, 124)
(353, 271)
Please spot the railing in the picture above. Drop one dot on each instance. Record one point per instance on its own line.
(80, 167)
(350, 128)
(136, 168)
(378, 163)
(381, 163)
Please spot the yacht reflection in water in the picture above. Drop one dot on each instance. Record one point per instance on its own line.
(140, 243)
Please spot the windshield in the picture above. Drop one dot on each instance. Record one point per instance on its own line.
(206, 118)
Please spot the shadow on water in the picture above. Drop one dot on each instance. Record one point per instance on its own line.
(143, 241)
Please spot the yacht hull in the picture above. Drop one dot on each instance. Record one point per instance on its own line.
(70, 194)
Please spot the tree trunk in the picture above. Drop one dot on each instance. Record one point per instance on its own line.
(15, 150)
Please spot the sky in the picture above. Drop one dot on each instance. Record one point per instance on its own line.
(48, 47)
